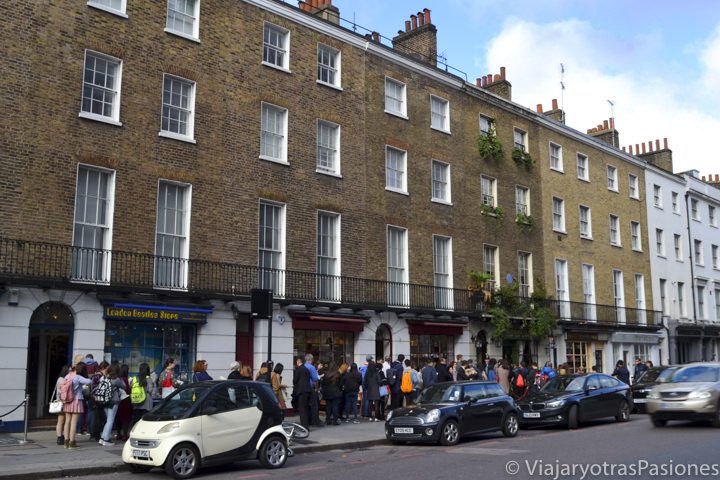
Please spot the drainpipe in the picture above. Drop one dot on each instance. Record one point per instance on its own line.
(691, 258)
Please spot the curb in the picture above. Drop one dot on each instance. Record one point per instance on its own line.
(338, 446)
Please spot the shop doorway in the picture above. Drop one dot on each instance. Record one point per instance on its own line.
(49, 348)
(383, 342)
(244, 340)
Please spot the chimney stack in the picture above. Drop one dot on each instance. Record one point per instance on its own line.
(661, 158)
(555, 113)
(497, 84)
(608, 134)
(419, 40)
(322, 9)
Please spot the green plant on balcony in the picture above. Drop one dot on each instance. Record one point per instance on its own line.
(541, 321)
(524, 220)
(501, 323)
(489, 146)
(481, 282)
(491, 211)
(522, 158)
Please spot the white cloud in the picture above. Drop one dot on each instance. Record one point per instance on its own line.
(647, 106)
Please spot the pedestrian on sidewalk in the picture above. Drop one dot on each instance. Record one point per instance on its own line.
(278, 387)
(362, 369)
(409, 383)
(351, 381)
(371, 388)
(301, 391)
(143, 378)
(263, 374)
(98, 416)
(113, 373)
(234, 371)
(332, 393)
(125, 410)
(429, 374)
(74, 409)
(60, 425)
(396, 396)
(200, 371)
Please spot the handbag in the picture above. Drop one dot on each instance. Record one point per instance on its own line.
(55, 403)
(384, 391)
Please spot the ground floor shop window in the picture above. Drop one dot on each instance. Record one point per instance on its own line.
(326, 346)
(577, 356)
(133, 343)
(642, 351)
(423, 347)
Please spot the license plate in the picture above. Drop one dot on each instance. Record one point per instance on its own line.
(403, 430)
(639, 400)
(671, 405)
(141, 454)
(531, 414)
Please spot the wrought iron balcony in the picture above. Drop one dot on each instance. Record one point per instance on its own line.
(605, 314)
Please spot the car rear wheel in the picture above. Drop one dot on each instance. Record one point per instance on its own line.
(623, 414)
(183, 461)
(572, 422)
(657, 422)
(450, 433)
(510, 425)
(273, 452)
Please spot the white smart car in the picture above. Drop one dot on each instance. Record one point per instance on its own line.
(209, 423)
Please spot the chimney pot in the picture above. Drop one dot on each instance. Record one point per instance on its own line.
(643, 147)
(478, 82)
(502, 73)
(657, 144)
(630, 149)
(606, 125)
(623, 149)
(665, 146)
(703, 178)
(637, 149)
(489, 78)
(314, 3)
(539, 108)
(376, 36)
(717, 177)
(413, 21)
(589, 131)
(421, 19)
(599, 127)
(496, 78)
(650, 146)
(612, 123)
(427, 15)
(554, 104)
(407, 25)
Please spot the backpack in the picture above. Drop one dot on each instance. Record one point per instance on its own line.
(541, 379)
(492, 376)
(102, 393)
(137, 393)
(519, 380)
(66, 391)
(166, 380)
(391, 376)
(407, 384)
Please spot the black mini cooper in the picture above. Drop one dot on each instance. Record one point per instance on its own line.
(447, 411)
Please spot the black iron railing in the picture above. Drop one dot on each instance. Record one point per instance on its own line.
(605, 314)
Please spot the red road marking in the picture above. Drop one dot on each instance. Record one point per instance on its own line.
(311, 469)
(411, 455)
(255, 475)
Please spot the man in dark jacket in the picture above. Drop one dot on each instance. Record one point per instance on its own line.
(395, 395)
(640, 368)
(301, 391)
(621, 372)
(443, 375)
(429, 374)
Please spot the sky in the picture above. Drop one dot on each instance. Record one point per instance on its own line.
(657, 61)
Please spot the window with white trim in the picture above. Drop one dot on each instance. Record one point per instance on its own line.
(582, 167)
(681, 299)
(276, 46)
(395, 97)
(522, 200)
(524, 273)
(561, 287)
(558, 214)
(439, 113)
(491, 262)
(183, 18)
(556, 160)
(660, 242)
(486, 126)
(328, 66)
(701, 302)
(677, 242)
(488, 187)
(395, 169)
(694, 210)
(675, 205)
(328, 147)
(714, 249)
(614, 230)
(113, 6)
(657, 196)
(178, 108)
(101, 87)
(271, 246)
(640, 297)
(612, 178)
(663, 296)
(520, 140)
(397, 266)
(619, 295)
(717, 301)
(585, 222)
(588, 278)
(92, 230)
(635, 236)
(328, 256)
(712, 219)
(633, 188)
(172, 237)
(440, 182)
(699, 257)
(273, 137)
(443, 272)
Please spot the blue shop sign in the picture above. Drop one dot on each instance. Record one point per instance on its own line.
(155, 313)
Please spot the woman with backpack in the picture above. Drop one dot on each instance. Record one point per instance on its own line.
(72, 397)
(111, 408)
(142, 400)
(167, 381)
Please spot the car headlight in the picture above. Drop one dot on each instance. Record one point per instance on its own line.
(700, 394)
(555, 404)
(653, 394)
(389, 415)
(169, 427)
(432, 416)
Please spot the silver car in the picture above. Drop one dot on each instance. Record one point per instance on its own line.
(693, 393)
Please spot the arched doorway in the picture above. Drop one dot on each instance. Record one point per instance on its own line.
(383, 342)
(49, 348)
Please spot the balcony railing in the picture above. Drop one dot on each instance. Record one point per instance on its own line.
(605, 314)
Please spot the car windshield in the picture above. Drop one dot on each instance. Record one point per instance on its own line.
(440, 393)
(700, 373)
(564, 384)
(180, 401)
(659, 375)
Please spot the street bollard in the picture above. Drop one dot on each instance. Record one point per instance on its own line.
(27, 407)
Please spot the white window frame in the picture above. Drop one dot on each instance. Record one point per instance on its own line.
(640, 298)
(712, 216)
(612, 178)
(583, 166)
(717, 300)
(442, 185)
(400, 172)
(443, 272)
(522, 200)
(636, 236)
(195, 35)
(96, 259)
(525, 269)
(275, 278)
(695, 209)
(398, 273)
(559, 225)
(675, 203)
(702, 314)
(189, 136)
(699, 256)
(269, 107)
(179, 264)
(660, 242)
(587, 233)
(281, 50)
(328, 256)
(589, 301)
(615, 237)
(402, 112)
(562, 289)
(488, 191)
(618, 284)
(114, 118)
(677, 246)
(522, 136)
(662, 285)
(633, 187)
(715, 252)
(328, 138)
(556, 161)
(103, 5)
(657, 196)
(444, 115)
(489, 121)
(333, 55)
(491, 262)
(682, 308)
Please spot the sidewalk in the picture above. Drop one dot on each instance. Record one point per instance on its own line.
(41, 457)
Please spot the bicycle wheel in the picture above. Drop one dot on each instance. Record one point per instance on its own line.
(295, 430)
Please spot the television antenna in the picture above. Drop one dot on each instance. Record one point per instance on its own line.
(612, 116)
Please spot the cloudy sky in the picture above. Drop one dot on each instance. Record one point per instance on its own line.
(658, 61)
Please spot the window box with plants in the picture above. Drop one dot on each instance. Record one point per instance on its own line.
(524, 220)
(521, 157)
(489, 146)
(491, 211)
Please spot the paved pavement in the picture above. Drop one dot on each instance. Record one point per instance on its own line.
(41, 457)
